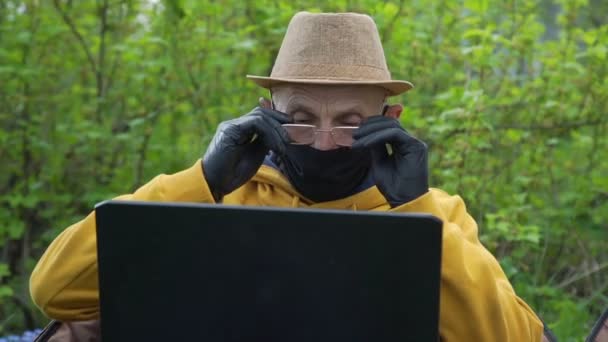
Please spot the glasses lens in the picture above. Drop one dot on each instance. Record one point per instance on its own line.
(300, 134)
(343, 136)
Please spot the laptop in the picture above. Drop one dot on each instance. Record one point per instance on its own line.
(195, 272)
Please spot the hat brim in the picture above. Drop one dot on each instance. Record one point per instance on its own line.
(393, 87)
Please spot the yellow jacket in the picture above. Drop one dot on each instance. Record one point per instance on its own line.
(477, 301)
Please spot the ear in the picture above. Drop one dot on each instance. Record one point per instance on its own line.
(265, 103)
(394, 111)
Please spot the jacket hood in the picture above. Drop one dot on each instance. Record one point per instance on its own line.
(273, 181)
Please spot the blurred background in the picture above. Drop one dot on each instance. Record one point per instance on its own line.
(97, 97)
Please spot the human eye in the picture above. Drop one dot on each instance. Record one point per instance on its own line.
(350, 120)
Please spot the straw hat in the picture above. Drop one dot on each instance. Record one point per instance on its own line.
(332, 48)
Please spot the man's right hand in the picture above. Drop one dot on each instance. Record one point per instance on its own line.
(238, 149)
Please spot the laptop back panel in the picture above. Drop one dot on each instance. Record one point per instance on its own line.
(170, 272)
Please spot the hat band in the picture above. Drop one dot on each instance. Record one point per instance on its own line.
(331, 72)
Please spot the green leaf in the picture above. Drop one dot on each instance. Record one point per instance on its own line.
(15, 229)
(4, 270)
(5, 292)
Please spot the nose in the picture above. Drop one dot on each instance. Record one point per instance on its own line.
(324, 141)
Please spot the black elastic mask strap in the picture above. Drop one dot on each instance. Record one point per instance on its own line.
(273, 106)
(384, 109)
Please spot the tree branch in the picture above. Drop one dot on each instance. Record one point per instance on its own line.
(582, 275)
(143, 148)
(386, 33)
(103, 26)
(68, 21)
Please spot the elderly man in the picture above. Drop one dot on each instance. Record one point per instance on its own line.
(327, 138)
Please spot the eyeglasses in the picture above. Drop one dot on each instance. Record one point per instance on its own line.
(306, 134)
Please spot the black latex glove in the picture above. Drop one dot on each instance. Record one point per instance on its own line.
(399, 161)
(238, 149)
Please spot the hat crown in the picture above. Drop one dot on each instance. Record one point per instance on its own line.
(332, 49)
(332, 46)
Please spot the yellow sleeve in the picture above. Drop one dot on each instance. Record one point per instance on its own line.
(64, 284)
(477, 302)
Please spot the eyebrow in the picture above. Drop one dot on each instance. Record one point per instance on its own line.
(351, 110)
(302, 108)
(347, 114)
(298, 107)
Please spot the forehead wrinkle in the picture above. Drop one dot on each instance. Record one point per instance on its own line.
(355, 105)
(344, 107)
(330, 99)
(362, 95)
(296, 94)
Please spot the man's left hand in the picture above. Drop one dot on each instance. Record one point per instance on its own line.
(399, 161)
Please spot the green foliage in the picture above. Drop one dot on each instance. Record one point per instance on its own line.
(97, 97)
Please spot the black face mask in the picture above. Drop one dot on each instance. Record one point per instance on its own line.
(324, 175)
